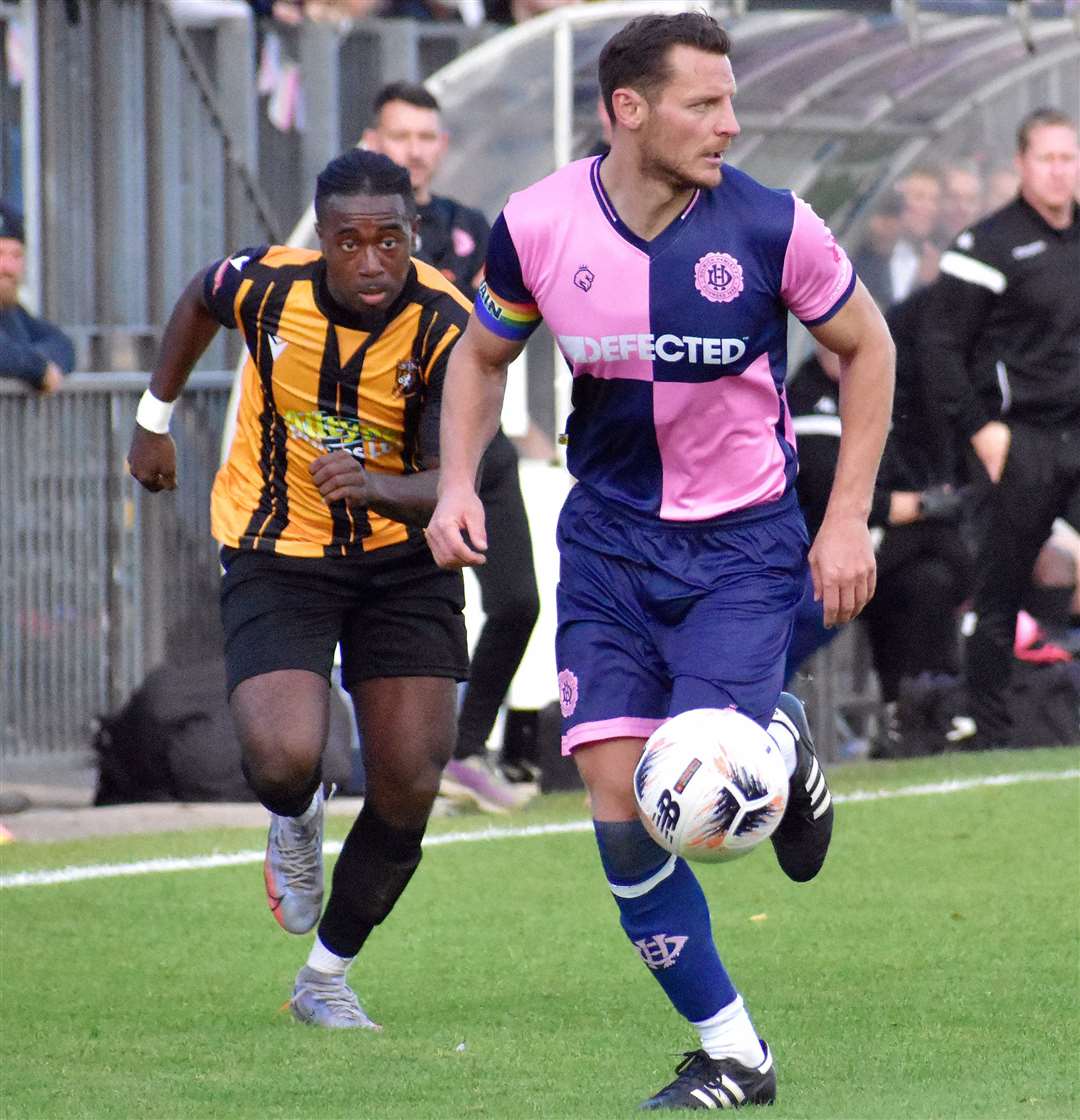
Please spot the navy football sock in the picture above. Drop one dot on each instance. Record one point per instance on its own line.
(666, 917)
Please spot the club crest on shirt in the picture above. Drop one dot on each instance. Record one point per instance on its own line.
(584, 278)
(407, 378)
(718, 277)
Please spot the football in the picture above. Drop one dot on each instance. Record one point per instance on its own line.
(711, 784)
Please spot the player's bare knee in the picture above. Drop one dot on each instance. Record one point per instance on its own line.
(276, 759)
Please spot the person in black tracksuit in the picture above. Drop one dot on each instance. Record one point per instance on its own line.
(454, 238)
(1003, 333)
(922, 565)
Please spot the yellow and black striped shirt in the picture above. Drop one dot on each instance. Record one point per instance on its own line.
(316, 379)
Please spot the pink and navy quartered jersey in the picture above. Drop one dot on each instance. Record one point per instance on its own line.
(678, 345)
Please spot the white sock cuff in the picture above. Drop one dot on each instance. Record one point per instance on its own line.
(322, 960)
(784, 736)
(730, 1034)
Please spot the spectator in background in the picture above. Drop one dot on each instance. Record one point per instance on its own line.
(206, 12)
(922, 566)
(1004, 327)
(454, 239)
(924, 563)
(961, 202)
(1054, 599)
(914, 261)
(873, 261)
(1002, 187)
(408, 129)
(289, 12)
(342, 11)
(518, 11)
(32, 350)
(439, 11)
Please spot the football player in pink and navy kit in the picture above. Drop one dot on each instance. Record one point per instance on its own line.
(667, 281)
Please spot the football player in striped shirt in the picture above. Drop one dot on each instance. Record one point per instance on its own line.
(319, 509)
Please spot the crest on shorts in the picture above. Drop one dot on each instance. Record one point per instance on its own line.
(718, 277)
(567, 693)
(407, 378)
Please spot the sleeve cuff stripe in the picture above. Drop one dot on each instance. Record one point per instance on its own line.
(974, 272)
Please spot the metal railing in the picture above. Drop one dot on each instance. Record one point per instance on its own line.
(101, 581)
(98, 578)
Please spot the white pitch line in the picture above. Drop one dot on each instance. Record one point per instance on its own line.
(232, 859)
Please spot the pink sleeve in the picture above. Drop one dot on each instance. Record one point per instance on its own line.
(818, 277)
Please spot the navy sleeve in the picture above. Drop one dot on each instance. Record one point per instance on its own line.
(27, 344)
(222, 281)
(503, 304)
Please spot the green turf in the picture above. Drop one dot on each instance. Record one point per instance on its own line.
(931, 971)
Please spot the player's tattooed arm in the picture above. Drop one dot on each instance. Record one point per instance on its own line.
(408, 498)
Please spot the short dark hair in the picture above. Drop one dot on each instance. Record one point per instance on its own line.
(636, 56)
(410, 92)
(1038, 118)
(11, 223)
(359, 171)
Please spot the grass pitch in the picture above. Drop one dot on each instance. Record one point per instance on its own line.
(932, 970)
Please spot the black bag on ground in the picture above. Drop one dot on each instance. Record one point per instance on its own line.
(174, 740)
(535, 737)
(1044, 700)
(1046, 704)
(924, 712)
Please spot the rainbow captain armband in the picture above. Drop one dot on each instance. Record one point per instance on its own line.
(513, 321)
(154, 415)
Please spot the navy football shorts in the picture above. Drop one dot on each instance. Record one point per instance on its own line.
(394, 612)
(655, 619)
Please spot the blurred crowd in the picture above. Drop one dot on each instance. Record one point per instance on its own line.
(472, 12)
(917, 217)
(931, 513)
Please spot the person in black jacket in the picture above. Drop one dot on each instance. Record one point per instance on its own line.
(454, 239)
(1004, 330)
(32, 350)
(921, 562)
(408, 129)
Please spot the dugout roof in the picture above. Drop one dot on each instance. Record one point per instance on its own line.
(835, 104)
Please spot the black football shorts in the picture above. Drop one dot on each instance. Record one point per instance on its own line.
(394, 612)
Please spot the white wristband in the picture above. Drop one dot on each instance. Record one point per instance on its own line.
(154, 415)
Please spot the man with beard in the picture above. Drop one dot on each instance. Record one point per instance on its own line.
(667, 281)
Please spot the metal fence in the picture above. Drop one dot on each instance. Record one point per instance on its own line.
(101, 581)
(98, 578)
(141, 149)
